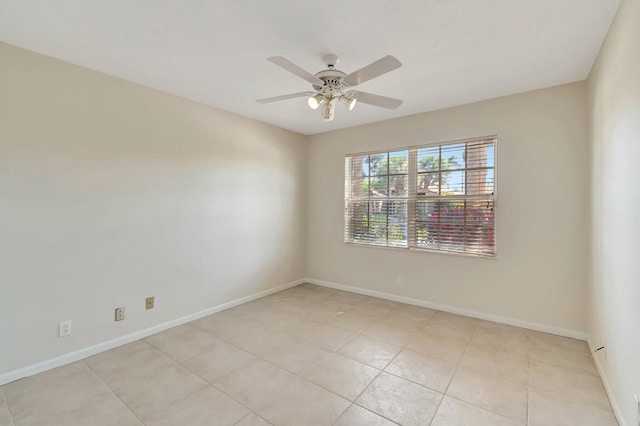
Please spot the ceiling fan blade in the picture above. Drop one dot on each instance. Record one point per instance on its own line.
(377, 100)
(283, 97)
(376, 69)
(293, 68)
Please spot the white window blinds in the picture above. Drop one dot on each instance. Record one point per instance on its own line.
(433, 197)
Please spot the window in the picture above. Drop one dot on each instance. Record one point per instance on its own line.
(432, 197)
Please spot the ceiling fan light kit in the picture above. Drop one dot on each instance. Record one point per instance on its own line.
(349, 99)
(328, 110)
(332, 85)
(315, 100)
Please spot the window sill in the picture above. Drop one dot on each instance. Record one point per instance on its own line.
(424, 250)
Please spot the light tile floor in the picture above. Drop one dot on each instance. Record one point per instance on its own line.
(316, 356)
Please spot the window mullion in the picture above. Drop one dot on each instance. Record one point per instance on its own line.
(412, 198)
(439, 195)
(466, 192)
(388, 192)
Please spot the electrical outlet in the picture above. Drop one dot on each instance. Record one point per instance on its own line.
(64, 328)
(119, 314)
(149, 302)
(400, 280)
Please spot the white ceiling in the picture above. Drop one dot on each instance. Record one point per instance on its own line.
(453, 51)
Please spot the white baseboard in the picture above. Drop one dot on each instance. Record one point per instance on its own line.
(614, 404)
(74, 356)
(454, 310)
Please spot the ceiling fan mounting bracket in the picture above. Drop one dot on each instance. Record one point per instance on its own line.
(330, 60)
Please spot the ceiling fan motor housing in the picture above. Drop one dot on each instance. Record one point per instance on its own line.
(333, 84)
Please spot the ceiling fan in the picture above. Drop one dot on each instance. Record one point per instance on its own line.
(332, 85)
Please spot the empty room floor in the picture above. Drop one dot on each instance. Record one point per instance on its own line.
(311, 355)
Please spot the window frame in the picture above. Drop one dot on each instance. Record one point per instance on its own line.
(413, 197)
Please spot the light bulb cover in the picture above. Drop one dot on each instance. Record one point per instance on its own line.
(316, 100)
(328, 110)
(349, 100)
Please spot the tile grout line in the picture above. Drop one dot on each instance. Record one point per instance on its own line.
(182, 366)
(403, 348)
(212, 385)
(238, 422)
(377, 375)
(250, 413)
(336, 353)
(6, 402)
(112, 392)
(185, 368)
(372, 380)
(527, 418)
(444, 394)
(269, 362)
(485, 408)
(366, 409)
(387, 364)
(467, 402)
(222, 377)
(380, 370)
(575, 402)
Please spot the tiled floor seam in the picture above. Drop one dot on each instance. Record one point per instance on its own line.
(356, 335)
(13, 422)
(377, 375)
(484, 409)
(114, 394)
(187, 369)
(461, 358)
(296, 374)
(234, 399)
(365, 408)
(444, 394)
(248, 415)
(342, 414)
(269, 362)
(573, 402)
(383, 370)
(527, 419)
(213, 385)
(172, 404)
(399, 352)
(249, 352)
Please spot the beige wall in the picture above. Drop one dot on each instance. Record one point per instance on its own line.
(614, 296)
(540, 273)
(111, 192)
